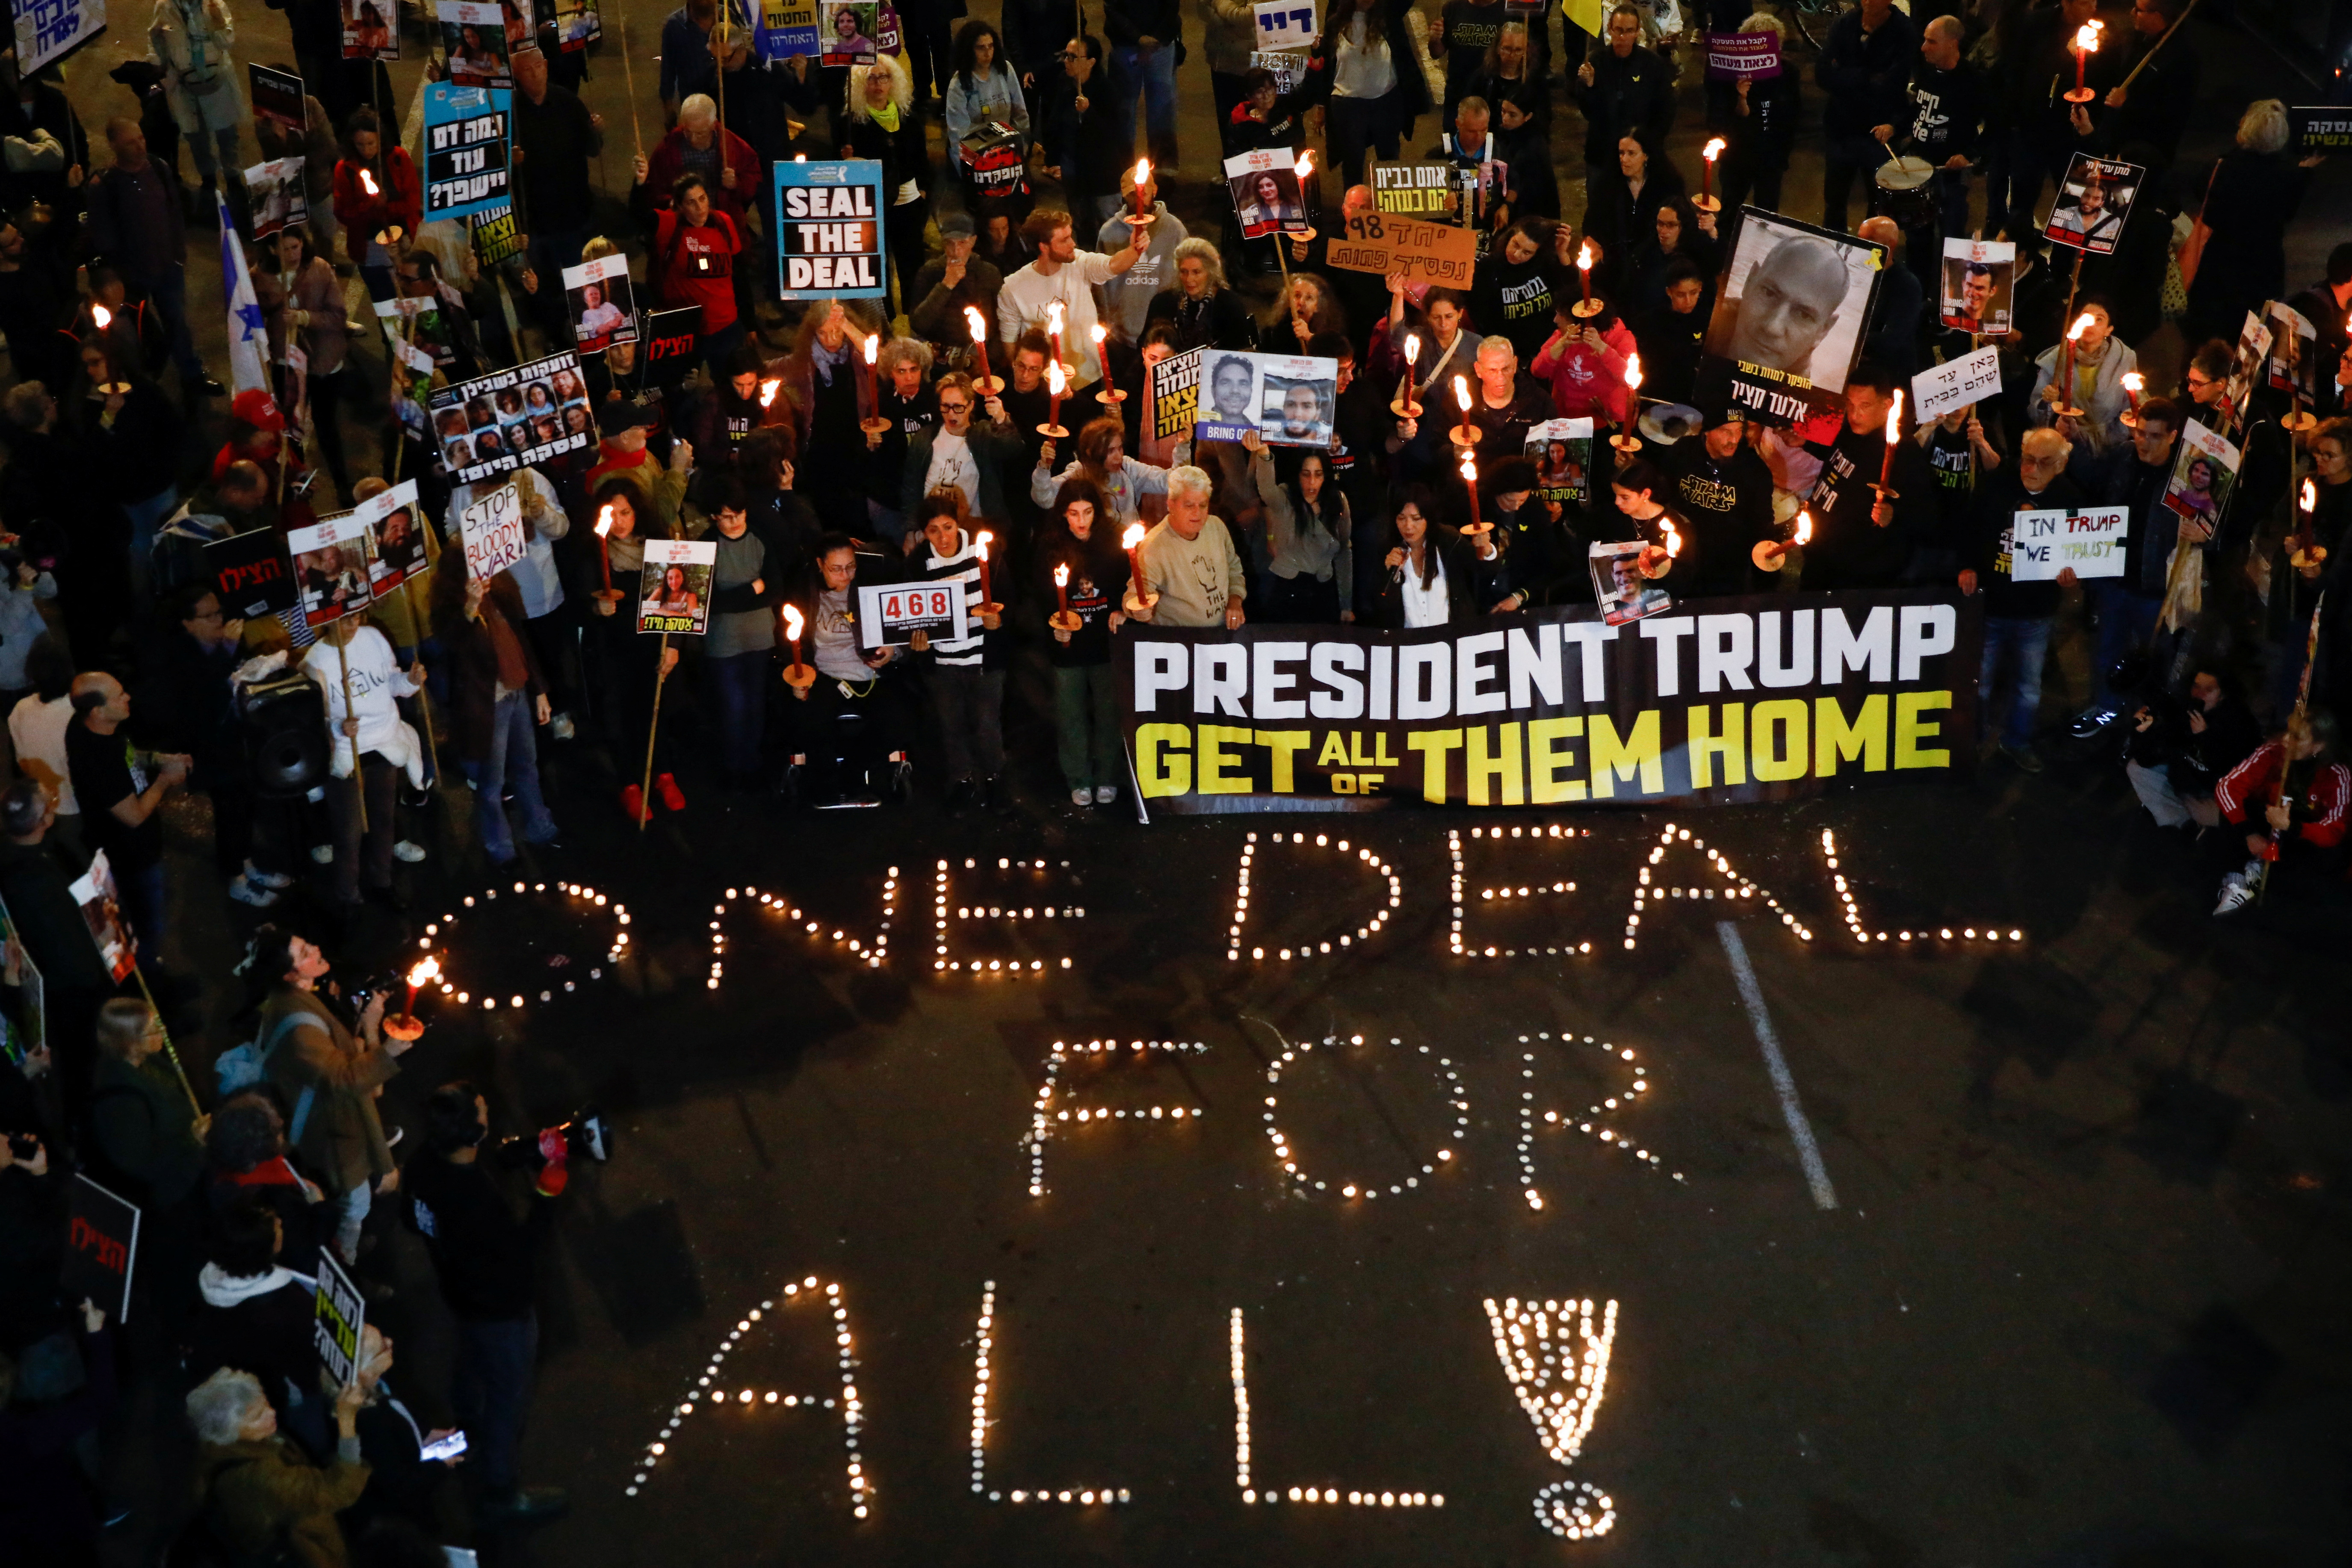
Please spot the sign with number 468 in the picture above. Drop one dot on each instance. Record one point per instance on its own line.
(889, 613)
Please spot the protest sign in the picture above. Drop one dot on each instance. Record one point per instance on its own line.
(396, 537)
(496, 236)
(1714, 702)
(2319, 128)
(1561, 451)
(2094, 200)
(250, 573)
(1791, 305)
(1287, 66)
(277, 195)
(368, 32)
(474, 37)
(578, 24)
(2245, 367)
(100, 901)
(597, 296)
(1978, 285)
(1264, 185)
(675, 595)
(491, 531)
(2292, 367)
(1285, 24)
(670, 340)
(1286, 398)
(1743, 57)
(849, 32)
(277, 98)
(2088, 543)
(994, 158)
(101, 1248)
(889, 613)
(2203, 470)
(1425, 252)
(48, 30)
(515, 419)
(464, 149)
(830, 217)
(338, 1313)
(1955, 384)
(1619, 587)
(1417, 190)
(331, 568)
(785, 30)
(1175, 393)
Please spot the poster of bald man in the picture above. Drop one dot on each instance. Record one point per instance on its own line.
(2093, 202)
(1979, 284)
(1790, 308)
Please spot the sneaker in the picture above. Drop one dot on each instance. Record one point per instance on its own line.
(408, 849)
(1082, 795)
(2023, 757)
(1106, 795)
(562, 726)
(2236, 895)
(243, 891)
(672, 797)
(275, 882)
(324, 854)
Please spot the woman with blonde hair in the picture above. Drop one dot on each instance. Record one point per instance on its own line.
(883, 123)
(2250, 198)
(1204, 311)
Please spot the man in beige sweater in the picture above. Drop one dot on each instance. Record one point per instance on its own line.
(1190, 567)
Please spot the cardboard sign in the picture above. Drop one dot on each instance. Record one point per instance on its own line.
(102, 902)
(1955, 384)
(496, 236)
(1791, 304)
(1417, 190)
(675, 595)
(1286, 398)
(597, 297)
(2094, 200)
(1426, 252)
(331, 569)
(49, 30)
(2291, 365)
(578, 24)
(669, 340)
(276, 97)
(1287, 66)
(510, 419)
(464, 149)
(369, 30)
(1561, 451)
(338, 1314)
(474, 38)
(2204, 470)
(278, 196)
(491, 530)
(889, 613)
(1175, 393)
(101, 1248)
(1977, 288)
(1742, 57)
(2253, 347)
(395, 535)
(1285, 24)
(849, 32)
(2320, 128)
(1264, 185)
(2090, 542)
(785, 30)
(830, 218)
(250, 573)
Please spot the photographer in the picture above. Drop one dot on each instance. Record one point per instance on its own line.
(486, 1259)
(2180, 750)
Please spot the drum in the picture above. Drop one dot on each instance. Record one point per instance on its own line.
(1909, 184)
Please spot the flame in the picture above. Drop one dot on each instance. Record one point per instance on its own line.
(101, 315)
(1133, 538)
(2132, 381)
(1632, 373)
(604, 521)
(1306, 163)
(767, 391)
(1714, 149)
(1054, 382)
(422, 970)
(980, 545)
(979, 326)
(1462, 393)
(1673, 540)
(367, 182)
(2310, 496)
(1411, 349)
(1584, 255)
(872, 346)
(1062, 575)
(1804, 534)
(2086, 37)
(1895, 419)
(1054, 318)
(792, 622)
(1098, 332)
(1470, 470)
(1142, 173)
(2074, 334)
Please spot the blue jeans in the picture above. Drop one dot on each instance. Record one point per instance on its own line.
(491, 1391)
(513, 759)
(1151, 72)
(2027, 640)
(738, 695)
(2125, 621)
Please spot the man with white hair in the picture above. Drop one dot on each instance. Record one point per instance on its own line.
(1190, 570)
(2017, 614)
(732, 180)
(263, 1497)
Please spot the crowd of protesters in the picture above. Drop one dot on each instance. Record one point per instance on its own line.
(128, 677)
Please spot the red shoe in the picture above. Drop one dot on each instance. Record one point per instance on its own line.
(665, 786)
(632, 801)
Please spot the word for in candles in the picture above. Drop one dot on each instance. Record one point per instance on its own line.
(1454, 846)
(1242, 1465)
(706, 1393)
(576, 892)
(1592, 1124)
(1106, 1054)
(1557, 1365)
(1363, 933)
(1302, 1182)
(995, 968)
(1084, 1497)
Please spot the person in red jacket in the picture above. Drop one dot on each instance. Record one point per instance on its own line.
(2303, 827)
(377, 197)
(696, 248)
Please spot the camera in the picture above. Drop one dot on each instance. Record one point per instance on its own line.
(585, 1135)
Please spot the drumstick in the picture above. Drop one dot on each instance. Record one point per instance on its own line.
(2159, 44)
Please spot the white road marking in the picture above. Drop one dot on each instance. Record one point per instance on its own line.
(1751, 996)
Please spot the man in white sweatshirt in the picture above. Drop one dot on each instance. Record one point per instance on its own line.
(370, 728)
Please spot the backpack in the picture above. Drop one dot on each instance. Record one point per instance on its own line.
(241, 1067)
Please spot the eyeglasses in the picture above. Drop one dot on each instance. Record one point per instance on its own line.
(947, 407)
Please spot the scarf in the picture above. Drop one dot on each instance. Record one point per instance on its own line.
(887, 116)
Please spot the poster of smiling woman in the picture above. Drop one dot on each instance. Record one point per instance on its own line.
(1791, 306)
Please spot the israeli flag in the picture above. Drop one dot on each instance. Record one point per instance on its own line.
(249, 333)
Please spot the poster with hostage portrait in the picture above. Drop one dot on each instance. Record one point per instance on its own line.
(850, 31)
(370, 30)
(2245, 368)
(675, 595)
(1979, 285)
(101, 904)
(1264, 185)
(1623, 593)
(474, 36)
(331, 575)
(1286, 398)
(2203, 469)
(1791, 305)
(277, 195)
(395, 524)
(578, 24)
(603, 309)
(2094, 200)
(510, 419)
(2294, 360)
(1561, 451)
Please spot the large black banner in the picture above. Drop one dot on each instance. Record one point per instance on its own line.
(1715, 702)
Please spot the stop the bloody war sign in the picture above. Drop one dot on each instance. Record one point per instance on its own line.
(829, 215)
